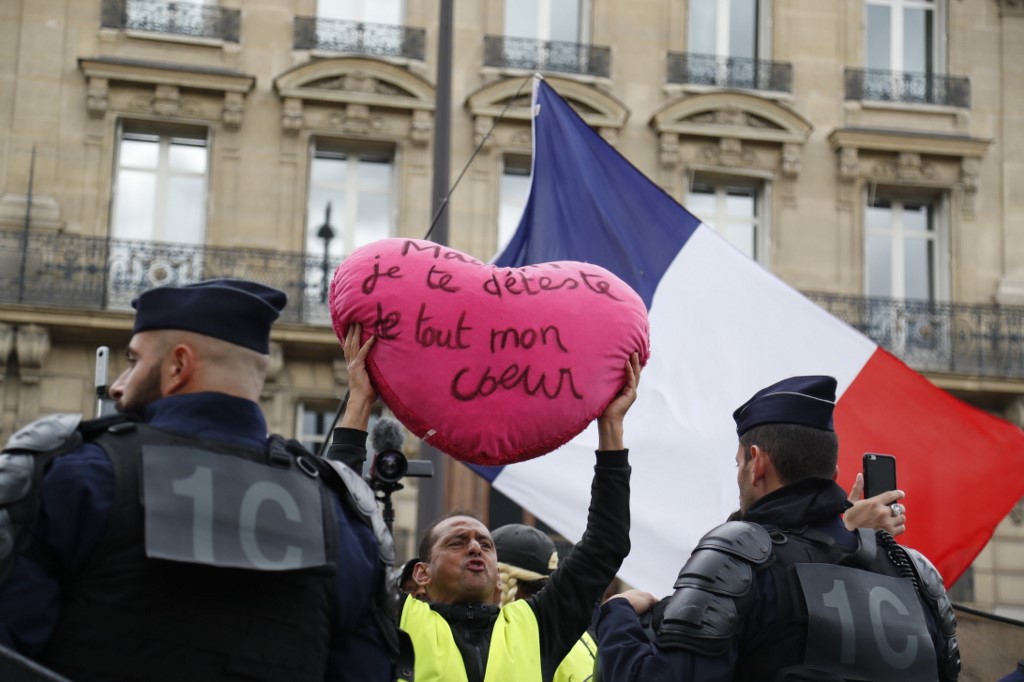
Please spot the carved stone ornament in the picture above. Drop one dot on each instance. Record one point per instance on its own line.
(234, 106)
(970, 172)
(481, 126)
(668, 147)
(32, 345)
(97, 97)
(790, 160)
(167, 100)
(610, 135)
(422, 127)
(729, 153)
(291, 116)
(849, 164)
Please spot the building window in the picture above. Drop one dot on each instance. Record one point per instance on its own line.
(902, 35)
(314, 423)
(903, 247)
(733, 208)
(512, 193)
(725, 28)
(373, 11)
(160, 185)
(560, 20)
(358, 184)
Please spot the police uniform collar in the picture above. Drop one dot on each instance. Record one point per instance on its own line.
(806, 502)
(218, 416)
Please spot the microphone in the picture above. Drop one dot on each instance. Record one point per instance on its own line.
(387, 434)
(389, 463)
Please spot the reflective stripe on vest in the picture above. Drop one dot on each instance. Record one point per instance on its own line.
(578, 665)
(514, 653)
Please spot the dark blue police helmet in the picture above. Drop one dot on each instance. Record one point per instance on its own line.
(803, 400)
(234, 310)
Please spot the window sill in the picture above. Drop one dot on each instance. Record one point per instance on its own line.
(679, 89)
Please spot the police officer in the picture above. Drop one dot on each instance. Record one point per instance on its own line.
(526, 559)
(184, 544)
(788, 593)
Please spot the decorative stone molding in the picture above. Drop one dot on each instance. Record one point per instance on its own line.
(849, 170)
(358, 96)
(927, 160)
(506, 99)
(422, 127)
(231, 113)
(668, 148)
(728, 131)
(97, 97)
(167, 100)
(291, 116)
(970, 173)
(116, 79)
(1011, 8)
(32, 345)
(6, 346)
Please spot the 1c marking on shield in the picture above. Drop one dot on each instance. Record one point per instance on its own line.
(221, 510)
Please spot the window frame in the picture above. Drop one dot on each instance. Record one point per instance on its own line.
(345, 240)
(543, 23)
(722, 182)
(360, 11)
(519, 162)
(161, 227)
(939, 201)
(937, 60)
(763, 30)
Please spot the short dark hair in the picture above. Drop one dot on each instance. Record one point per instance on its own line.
(796, 451)
(428, 539)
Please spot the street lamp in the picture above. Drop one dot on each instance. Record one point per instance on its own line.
(326, 233)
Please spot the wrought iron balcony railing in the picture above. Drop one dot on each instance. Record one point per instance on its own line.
(71, 271)
(976, 340)
(729, 72)
(338, 35)
(904, 86)
(178, 18)
(547, 55)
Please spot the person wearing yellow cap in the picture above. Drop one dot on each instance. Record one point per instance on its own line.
(526, 559)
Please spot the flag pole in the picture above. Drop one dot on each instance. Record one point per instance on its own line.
(431, 497)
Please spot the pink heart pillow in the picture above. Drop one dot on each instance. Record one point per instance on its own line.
(490, 365)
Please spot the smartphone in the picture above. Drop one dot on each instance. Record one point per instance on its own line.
(879, 473)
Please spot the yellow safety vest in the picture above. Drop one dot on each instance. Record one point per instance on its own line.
(514, 653)
(578, 665)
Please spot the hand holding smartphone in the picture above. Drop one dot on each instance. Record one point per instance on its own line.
(879, 473)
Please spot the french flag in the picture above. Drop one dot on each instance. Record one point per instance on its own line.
(722, 328)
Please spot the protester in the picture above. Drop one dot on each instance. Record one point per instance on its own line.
(241, 564)
(526, 559)
(788, 593)
(458, 633)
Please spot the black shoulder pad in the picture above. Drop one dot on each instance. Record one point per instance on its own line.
(44, 434)
(698, 621)
(702, 615)
(746, 540)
